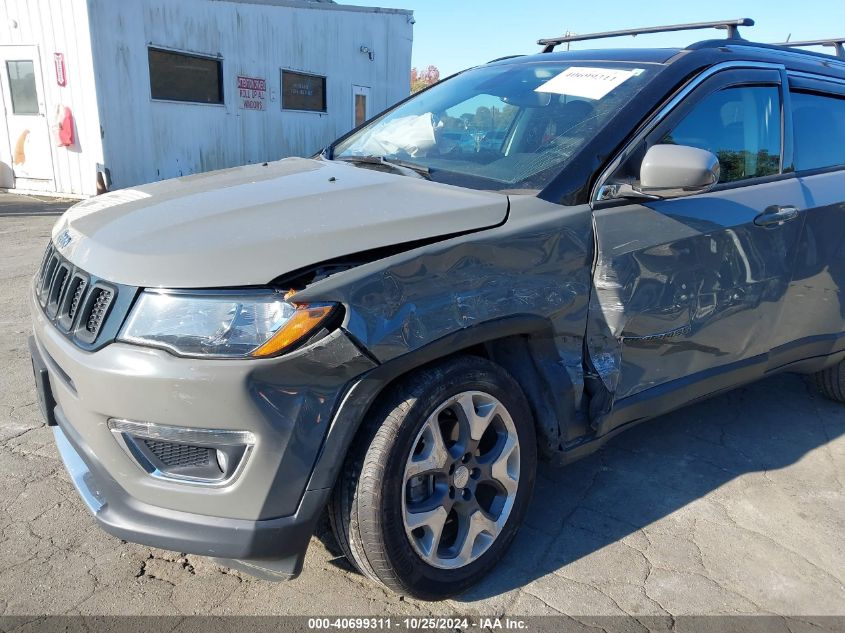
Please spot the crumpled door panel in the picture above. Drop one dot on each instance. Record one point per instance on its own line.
(687, 285)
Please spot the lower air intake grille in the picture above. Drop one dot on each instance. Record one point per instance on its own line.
(174, 455)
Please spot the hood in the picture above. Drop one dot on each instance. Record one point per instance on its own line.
(248, 225)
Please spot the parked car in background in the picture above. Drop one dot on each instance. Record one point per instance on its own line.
(398, 330)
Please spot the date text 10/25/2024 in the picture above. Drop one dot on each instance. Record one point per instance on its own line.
(417, 624)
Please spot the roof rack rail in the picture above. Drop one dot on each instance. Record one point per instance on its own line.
(731, 26)
(838, 44)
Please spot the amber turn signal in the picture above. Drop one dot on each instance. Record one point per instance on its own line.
(304, 321)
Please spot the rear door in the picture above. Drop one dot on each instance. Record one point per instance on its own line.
(688, 292)
(814, 309)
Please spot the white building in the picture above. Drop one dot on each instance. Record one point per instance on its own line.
(152, 89)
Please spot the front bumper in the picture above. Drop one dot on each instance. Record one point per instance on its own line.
(272, 548)
(265, 517)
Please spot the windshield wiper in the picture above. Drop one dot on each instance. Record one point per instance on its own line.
(397, 164)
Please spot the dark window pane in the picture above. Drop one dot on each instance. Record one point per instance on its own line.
(179, 77)
(303, 92)
(22, 87)
(741, 126)
(819, 122)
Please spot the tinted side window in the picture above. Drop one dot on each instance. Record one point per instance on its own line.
(819, 127)
(741, 126)
(180, 77)
(301, 91)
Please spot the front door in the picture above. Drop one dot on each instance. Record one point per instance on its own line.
(360, 105)
(26, 118)
(688, 292)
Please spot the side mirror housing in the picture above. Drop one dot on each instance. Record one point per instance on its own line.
(677, 170)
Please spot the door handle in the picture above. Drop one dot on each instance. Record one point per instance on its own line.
(776, 215)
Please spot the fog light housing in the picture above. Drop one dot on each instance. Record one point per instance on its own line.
(210, 457)
(222, 461)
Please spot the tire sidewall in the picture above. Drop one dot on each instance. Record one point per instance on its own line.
(424, 579)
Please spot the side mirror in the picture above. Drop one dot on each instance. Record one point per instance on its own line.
(677, 170)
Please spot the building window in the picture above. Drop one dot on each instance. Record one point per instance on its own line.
(301, 91)
(22, 86)
(183, 77)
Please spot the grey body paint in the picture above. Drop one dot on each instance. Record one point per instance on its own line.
(537, 264)
(686, 286)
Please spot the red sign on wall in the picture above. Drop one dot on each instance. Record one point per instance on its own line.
(252, 92)
(61, 75)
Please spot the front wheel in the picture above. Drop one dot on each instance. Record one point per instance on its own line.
(437, 483)
(831, 382)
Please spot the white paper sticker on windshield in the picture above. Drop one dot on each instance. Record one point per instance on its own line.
(590, 83)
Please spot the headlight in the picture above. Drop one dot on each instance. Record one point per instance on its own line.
(224, 324)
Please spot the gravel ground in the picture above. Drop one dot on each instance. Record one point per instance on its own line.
(731, 506)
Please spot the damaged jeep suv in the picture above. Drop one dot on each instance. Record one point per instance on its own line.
(513, 265)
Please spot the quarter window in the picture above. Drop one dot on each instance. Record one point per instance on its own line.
(819, 127)
(741, 126)
(180, 77)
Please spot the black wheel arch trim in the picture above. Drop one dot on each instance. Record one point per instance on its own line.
(364, 391)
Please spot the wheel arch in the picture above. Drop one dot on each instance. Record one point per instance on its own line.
(522, 345)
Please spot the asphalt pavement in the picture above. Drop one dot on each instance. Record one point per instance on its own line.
(17, 204)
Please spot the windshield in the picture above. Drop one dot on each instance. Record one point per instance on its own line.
(512, 126)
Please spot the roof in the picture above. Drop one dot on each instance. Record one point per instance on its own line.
(634, 55)
(707, 51)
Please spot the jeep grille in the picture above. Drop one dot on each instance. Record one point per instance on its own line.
(77, 303)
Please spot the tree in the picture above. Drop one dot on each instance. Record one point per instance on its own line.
(423, 78)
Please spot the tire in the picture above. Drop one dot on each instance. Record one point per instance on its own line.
(831, 382)
(404, 510)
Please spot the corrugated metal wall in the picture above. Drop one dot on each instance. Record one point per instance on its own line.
(146, 140)
(59, 26)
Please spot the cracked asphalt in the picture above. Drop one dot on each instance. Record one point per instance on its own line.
(732, 506)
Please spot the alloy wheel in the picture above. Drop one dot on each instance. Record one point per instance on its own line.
(460, 480)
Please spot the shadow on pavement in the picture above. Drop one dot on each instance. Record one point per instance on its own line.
(654, 470)
(657, 468)
(15, 205)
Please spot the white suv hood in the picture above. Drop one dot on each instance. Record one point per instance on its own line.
(248, 225)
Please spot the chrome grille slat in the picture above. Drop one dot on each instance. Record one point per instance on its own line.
(42, 268)
(57, 289)
(71, 301)
(47, 280)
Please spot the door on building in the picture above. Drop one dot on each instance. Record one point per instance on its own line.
(360, 105)
(26, 122)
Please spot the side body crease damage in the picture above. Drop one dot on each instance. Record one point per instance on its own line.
(532, 323)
